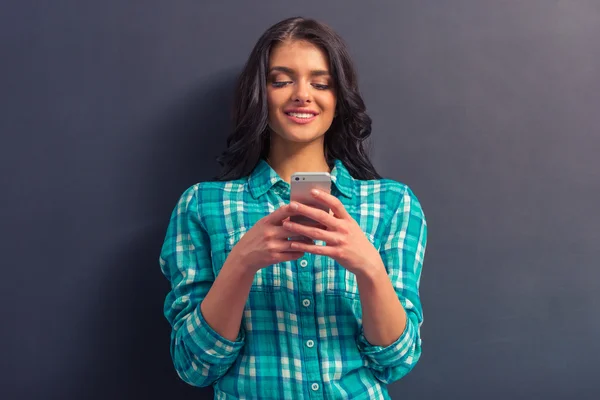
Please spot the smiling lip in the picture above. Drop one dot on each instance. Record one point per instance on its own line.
(300, 119)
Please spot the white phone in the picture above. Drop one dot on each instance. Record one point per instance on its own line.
(301, 185)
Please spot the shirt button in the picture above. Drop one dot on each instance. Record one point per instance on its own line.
(310, 343)
(315, 386)
(303, 263)
(306, 302)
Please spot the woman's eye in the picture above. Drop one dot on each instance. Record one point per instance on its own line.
(320, 86)
(280, 84)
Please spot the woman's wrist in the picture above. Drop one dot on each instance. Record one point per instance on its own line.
(241, 265)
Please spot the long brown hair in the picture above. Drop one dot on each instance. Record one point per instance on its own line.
(249, 141)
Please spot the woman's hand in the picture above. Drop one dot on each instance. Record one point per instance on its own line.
(346, 242)
(266, 243)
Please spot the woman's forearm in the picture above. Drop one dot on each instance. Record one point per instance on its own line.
(383, 316)
(223, 306)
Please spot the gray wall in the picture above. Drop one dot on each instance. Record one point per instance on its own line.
(489, 110)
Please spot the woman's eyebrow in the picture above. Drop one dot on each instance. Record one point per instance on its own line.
(315, 72)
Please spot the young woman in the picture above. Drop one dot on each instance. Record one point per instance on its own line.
(259, 316)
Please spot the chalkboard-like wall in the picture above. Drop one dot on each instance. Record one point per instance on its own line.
(488, 110)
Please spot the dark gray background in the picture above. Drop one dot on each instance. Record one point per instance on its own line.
(489, 110)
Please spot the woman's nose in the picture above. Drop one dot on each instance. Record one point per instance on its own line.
(302, 92)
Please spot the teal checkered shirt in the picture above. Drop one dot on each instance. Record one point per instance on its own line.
(301, 334)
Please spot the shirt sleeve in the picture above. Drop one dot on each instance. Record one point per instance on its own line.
(200, 355)
(402, 252)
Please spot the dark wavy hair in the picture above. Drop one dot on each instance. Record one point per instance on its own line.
(250, 139)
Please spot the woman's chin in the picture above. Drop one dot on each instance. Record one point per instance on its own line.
(301, 137)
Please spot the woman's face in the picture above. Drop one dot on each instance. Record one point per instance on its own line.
(300, 92)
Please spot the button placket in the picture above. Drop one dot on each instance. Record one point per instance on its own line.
(308, 321)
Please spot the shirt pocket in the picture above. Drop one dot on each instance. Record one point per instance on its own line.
(341, 282)
(267, 279)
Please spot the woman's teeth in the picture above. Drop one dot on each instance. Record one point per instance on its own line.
(298, 115)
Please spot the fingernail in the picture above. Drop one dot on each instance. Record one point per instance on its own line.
(314, 192)
(293, 206)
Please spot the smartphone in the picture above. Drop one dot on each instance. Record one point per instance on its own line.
(301, 185)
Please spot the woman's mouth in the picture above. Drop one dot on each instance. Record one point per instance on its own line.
(301, 118)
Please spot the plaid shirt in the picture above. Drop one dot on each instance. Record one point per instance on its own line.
(301, 334)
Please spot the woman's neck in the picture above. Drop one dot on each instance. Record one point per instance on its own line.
(286, 160)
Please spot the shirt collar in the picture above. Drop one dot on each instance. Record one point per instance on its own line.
(263, 178)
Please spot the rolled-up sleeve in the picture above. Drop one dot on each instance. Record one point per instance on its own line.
(200, 355)
(402, 251)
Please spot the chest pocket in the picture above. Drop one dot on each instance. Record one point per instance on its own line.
(267, 279)
(341, 282)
